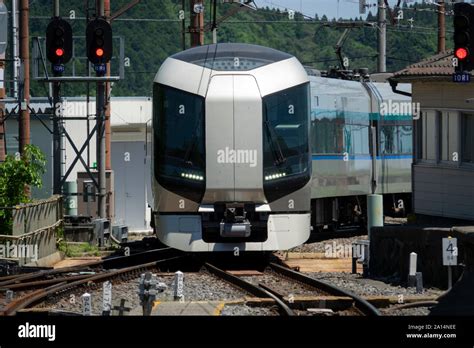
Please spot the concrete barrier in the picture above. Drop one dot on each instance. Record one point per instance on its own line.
(460, 299)
(390, 249)
(34, 231)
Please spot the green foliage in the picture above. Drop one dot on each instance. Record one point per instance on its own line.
(15, 175)
(78, 249)
(149, 42)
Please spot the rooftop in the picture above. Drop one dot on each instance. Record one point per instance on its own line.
(437, 67)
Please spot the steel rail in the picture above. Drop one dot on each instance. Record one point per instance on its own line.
(249, 287)
(364, 306)
(35, 296)
(106, 263)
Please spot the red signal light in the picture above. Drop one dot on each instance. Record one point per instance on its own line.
(461, 53)
(99, 52)
(59, 52)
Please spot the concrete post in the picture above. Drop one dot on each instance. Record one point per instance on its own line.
(87, 304)
(179, 286)
(412, 270)
(374, 211)
(107, 298)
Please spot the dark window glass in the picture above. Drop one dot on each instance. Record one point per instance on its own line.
(396, 140)
(178, 122)
(331, 136)
(468, 138)
(419, 137)
(287, 164)
(327, 135)
(388, 142)
(356, 139)
(405, 141)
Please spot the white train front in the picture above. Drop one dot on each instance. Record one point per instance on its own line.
(231, 157)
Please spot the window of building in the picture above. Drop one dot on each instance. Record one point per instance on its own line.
(429, 135)
(467, 139)
(444, 137)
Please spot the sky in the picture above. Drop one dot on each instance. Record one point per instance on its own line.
(331, 8)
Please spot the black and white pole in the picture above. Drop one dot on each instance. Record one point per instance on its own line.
(412, 270)
(147, 292)
(87, 304)
(107, 298)
(450, 257)
(179, 286)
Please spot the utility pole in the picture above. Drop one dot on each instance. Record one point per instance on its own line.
(24, 126)
(382, 37)
(3, 48)
(14, 52)
(2, 127)
(441, 26)
(57, 127)
(99, 52)
(196, 28)
(214, 22)
(108, 132)
(100, 115)
(183, 25)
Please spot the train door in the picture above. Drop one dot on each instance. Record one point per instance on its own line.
(234, 140)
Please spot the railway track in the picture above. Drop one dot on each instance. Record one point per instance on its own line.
(54, 276)
(62, 282)
(286, 283)
(249, 288)
(362, 305)
(275, 283)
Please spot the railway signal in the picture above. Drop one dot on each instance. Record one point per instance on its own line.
(464, 36)
(99, 43)
(58, 43)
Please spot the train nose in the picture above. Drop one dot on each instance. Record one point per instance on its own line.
(234, 140)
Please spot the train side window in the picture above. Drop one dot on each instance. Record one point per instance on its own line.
(388, 140)
(396, 139)
(405, 142)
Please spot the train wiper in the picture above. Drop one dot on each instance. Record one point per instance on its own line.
(187, 156)
(275, 145)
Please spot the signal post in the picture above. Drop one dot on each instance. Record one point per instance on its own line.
(59, 42)
(99, 52)
(59, 52)
(463, 38)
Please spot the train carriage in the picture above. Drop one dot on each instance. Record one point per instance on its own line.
(249, 151)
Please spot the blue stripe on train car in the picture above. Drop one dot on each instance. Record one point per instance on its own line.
(330, 114)
(358, 157)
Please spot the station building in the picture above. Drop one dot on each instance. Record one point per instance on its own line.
(443, 142)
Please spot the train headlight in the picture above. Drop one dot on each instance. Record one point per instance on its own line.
(192, 176)
(275, 176)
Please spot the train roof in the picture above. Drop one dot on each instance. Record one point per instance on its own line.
(231, 56)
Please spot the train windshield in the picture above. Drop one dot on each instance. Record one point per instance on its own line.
(178, 123)
(287, 163)
(231, 56)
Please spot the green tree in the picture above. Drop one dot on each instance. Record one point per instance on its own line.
(15, 174)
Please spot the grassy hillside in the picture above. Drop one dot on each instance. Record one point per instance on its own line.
(152, 32)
